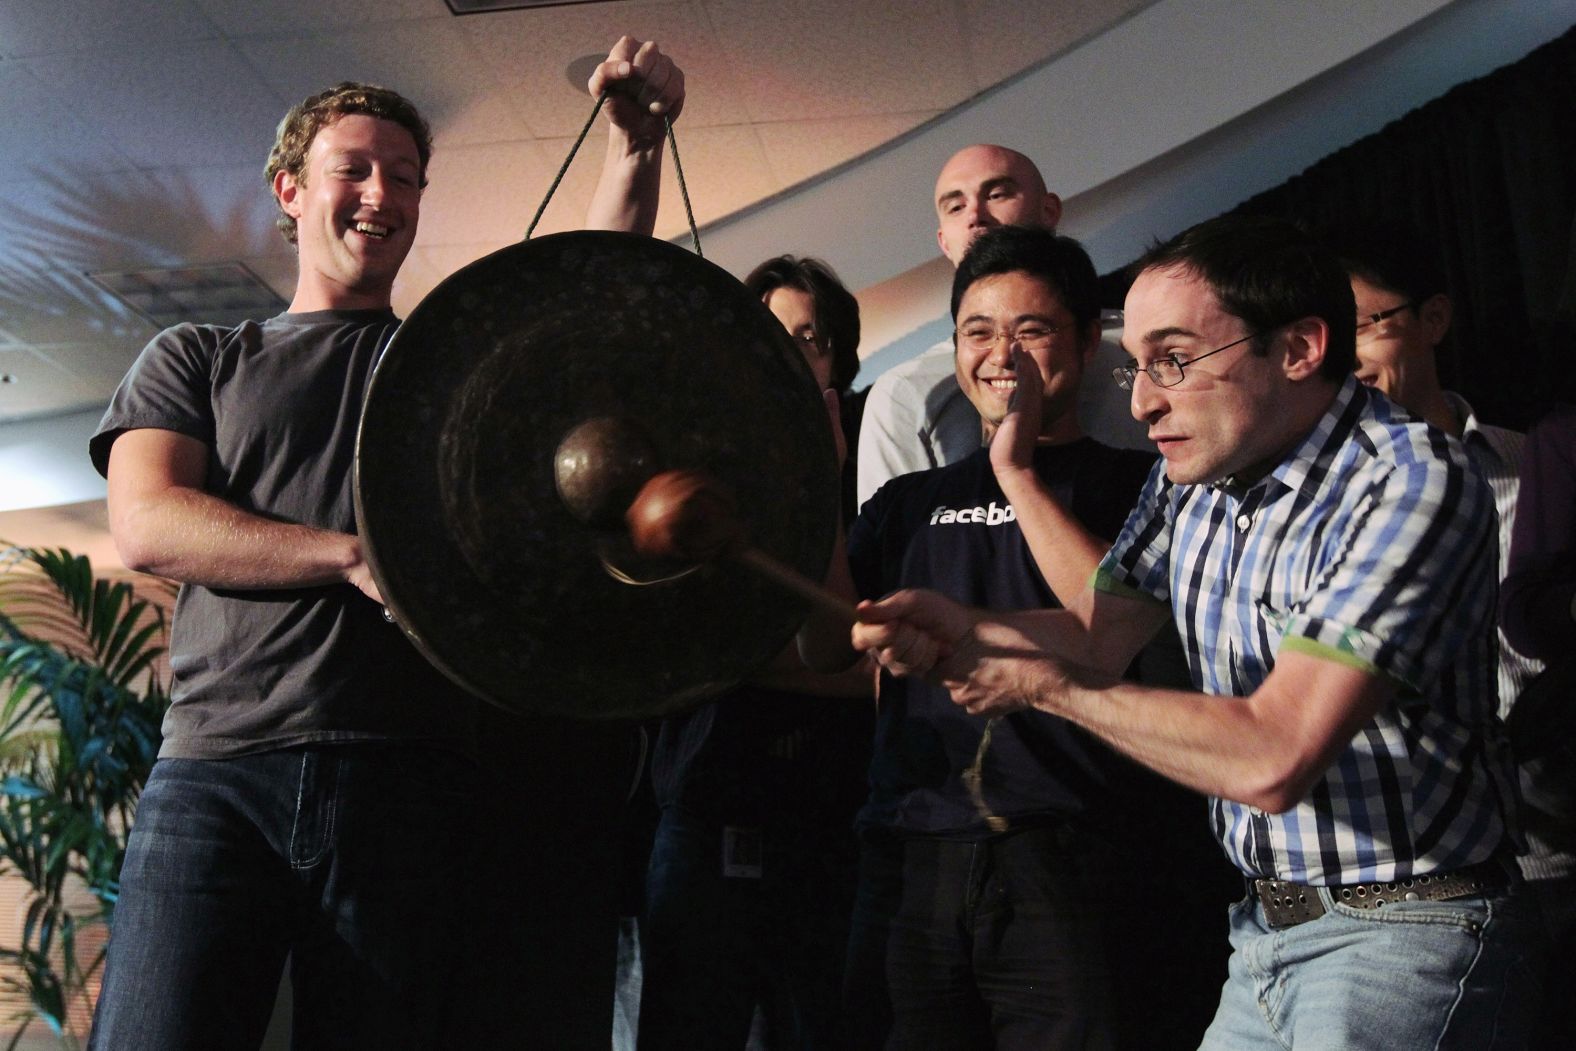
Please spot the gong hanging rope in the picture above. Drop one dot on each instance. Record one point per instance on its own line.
(673, 144)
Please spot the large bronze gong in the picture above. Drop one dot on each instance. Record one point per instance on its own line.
(647, 358)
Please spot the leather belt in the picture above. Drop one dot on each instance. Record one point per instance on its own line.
(1287, 904)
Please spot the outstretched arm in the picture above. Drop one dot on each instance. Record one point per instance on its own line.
(164, 522)
(644, 85)
(1265, 750)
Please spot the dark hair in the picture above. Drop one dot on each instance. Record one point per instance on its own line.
(1269, 272)
(301, 125)
(1389, 253)
(836, 309)
(1058, 261)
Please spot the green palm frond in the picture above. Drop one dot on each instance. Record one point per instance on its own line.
(80, 709)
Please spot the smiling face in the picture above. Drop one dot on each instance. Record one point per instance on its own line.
(983, 187)
(1024, 306)
(1230, 414)
(356, 206)
(1397, 355)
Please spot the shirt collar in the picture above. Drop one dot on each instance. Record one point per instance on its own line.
(1317, 446)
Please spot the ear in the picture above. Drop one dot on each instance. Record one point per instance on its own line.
(1091, 341)
(1436, 312)
(287, 191)
(1306, 341)
(1052, 211)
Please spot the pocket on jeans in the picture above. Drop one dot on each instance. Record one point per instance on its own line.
(1469, 914)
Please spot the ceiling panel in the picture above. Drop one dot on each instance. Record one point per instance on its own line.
(1018, 35)
(169, 103)
(242, 18)
(800, 149)
(53, 27)
(530, 51)
(419, 59)
(38, 387)
(812, 59)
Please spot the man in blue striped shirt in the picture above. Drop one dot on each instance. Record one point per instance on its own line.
(1329, 563)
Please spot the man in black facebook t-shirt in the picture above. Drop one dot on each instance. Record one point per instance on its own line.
(310, 798)
(990, 859)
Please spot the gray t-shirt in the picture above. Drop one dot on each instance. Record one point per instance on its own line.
(278, 404)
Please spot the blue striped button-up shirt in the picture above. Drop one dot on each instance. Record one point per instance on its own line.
(1372, 543)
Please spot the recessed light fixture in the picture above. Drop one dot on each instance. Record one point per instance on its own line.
(216, 294)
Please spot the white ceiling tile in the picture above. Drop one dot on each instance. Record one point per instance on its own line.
(241, 17)
(40, 134)
(812, 59)
(37, 387)
(530, 52)
(1026, 32)
(101, 364)
(51, 27)
(134, 219)
(417, 59)
(801, 149)
(169, 104)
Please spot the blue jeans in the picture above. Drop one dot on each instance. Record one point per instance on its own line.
(349, 859)
(1412, 975)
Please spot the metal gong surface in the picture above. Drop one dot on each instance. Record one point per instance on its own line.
(487, 569)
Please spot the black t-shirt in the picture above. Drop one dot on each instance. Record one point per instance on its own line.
(952, 530)
(278, 405)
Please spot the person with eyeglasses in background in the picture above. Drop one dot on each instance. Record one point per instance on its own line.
(1404, 316)
(751, 877)
(1002, 861)
(1328, 561)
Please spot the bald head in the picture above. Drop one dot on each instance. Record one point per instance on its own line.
(986, 186)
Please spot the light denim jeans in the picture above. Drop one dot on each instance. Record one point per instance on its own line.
(1411, 976)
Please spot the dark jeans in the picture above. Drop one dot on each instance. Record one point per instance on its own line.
(1039, 938)
(990, 944)
(351, 859)
(713, 946)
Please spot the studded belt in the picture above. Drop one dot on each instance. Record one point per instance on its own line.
(1287, 904)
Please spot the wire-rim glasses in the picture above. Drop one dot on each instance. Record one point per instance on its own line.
(1366, 320)
(1167, 371)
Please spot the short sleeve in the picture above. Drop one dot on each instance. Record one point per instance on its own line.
(1413, 578)
(169, 387)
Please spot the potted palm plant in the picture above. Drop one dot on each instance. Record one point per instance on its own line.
(81, 702)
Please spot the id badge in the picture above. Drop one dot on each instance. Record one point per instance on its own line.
(741, 853)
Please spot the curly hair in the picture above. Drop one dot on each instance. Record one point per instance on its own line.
(313, 114)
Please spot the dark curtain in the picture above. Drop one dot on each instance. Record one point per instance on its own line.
(1488, 171)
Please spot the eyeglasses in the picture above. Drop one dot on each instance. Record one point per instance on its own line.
(1364, 320)
(1032, 336)
(1167, 371)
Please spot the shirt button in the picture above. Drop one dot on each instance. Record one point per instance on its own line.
(1244, 520)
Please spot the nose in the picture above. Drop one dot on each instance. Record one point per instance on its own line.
(374, 188)
(1002, 345)
(1147, 402)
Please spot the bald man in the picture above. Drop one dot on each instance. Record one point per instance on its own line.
(916, 418)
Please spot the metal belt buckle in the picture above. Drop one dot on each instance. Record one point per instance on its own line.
(1287, 904)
